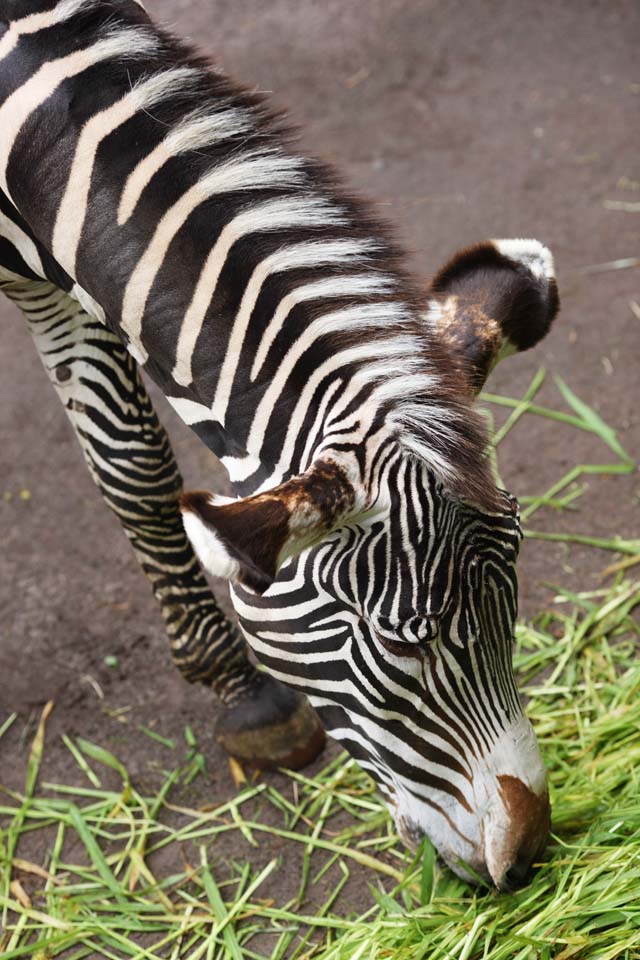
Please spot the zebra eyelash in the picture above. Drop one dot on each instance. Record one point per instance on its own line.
(401, 648)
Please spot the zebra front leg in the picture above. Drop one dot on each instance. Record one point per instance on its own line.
(130, 459)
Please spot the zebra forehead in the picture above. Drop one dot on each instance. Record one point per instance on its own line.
(427, 549)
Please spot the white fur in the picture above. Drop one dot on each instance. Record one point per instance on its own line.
(240, 468)
(533, 254)
(367, 284)
(369, 357)
(432, 316)
(88, 304)
(480, 837)
(23, 244)
(290, 258)
(190, 411)
(211, 552)
(365, 316)
(311, 253)
(139, 355)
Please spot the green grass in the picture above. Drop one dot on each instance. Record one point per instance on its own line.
(129, 875)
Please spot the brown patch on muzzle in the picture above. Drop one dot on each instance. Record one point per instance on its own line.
(530, 817)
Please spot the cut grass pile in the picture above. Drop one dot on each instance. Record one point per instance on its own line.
(583, 902)
(103, 888)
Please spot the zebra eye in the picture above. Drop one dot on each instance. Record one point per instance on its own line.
(400, 648)
(407, 638)
(422, 629)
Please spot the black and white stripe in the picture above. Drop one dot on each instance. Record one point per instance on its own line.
(148, 200)
(400, 631)
(130, 459)
(228, 234)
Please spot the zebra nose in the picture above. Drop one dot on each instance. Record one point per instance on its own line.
(525, 834)
(518, 874)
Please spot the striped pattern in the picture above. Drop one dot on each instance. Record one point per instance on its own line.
(271, 309)
(402, 642)
(262, 256)
(131, 461)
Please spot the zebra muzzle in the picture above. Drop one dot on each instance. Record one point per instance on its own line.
(517, 838)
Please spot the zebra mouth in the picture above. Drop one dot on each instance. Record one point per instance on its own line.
(473, 868)
(410, 833)
(512, 835)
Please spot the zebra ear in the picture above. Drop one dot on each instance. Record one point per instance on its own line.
(248, 540)
(492, 300)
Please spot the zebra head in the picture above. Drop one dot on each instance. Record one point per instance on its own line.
(391, 602)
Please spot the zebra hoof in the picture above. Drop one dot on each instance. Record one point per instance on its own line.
(272, 726)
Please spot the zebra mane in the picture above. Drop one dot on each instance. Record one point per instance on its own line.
(413, 375)
(235, 141)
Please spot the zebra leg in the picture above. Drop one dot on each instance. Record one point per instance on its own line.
(130, 459)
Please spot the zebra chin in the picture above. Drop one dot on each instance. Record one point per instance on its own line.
(506, 830)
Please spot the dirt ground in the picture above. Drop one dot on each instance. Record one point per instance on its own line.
(464, 121)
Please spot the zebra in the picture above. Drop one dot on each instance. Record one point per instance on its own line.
(155, 214)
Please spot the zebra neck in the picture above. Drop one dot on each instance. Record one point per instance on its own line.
(255, 291)
(343, 424)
